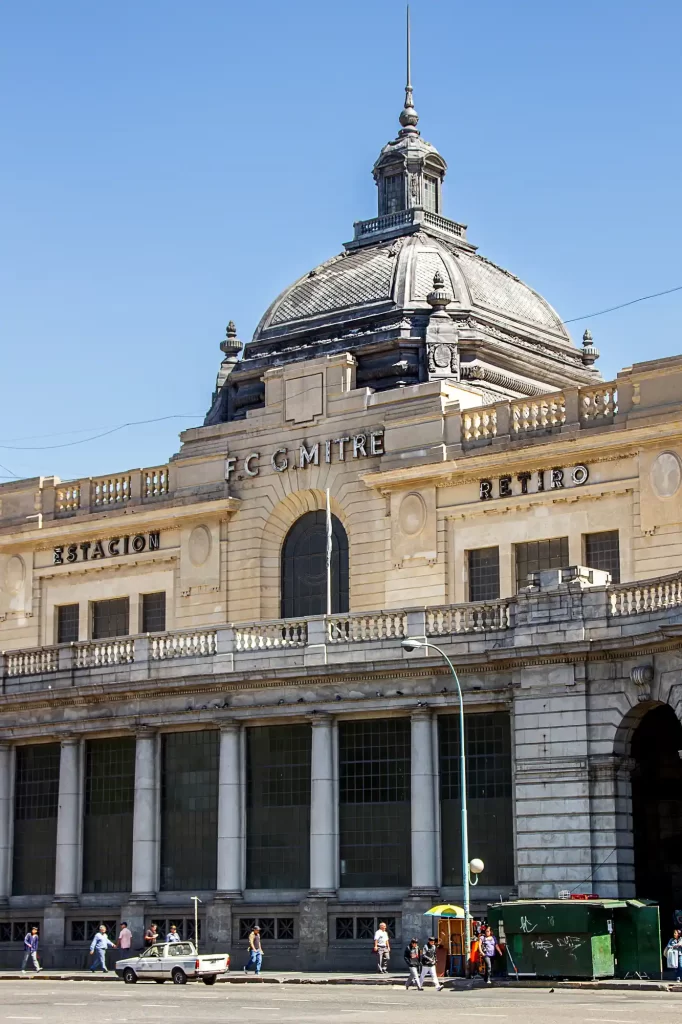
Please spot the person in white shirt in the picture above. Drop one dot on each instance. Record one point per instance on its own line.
(382, 947)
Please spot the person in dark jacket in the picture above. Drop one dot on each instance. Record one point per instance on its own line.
(428, 962)
(31, 950)
(412, 958)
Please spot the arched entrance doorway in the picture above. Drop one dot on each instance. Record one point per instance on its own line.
(657, 810)
(304, 567)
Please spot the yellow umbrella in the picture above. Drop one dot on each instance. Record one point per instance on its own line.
(446, 910)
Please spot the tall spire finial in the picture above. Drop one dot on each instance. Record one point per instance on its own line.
(409, 116)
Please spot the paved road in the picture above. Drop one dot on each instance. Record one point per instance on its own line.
(68, 1002)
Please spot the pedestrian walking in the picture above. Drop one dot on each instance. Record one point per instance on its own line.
(488, 946)
(173, 934)
(382, 947)
(31, 950)
(428, 962)
(151, 936)
(98, 947)
(125, 941)
(412, 958)
(672, 954)
(255, 951)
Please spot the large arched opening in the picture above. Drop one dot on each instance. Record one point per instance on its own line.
(657, 809)
(304, 567)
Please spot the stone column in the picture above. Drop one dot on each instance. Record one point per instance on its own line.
(425, 881)
(230, 818)
(323, 838)
(145, 818)
(5, 822)
(68, 859)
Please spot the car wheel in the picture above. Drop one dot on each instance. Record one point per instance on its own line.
(129, 976)
(159, 981)
(179, 977)
(210, 979)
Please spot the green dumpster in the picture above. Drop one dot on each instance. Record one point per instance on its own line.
(590, 938)
(557, 938)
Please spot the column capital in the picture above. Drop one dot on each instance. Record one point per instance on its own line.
(320, 718)
(228, 724)
(5, 744)
(425, 713)
(144, 731)
(69, 739)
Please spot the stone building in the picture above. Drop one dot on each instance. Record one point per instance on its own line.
(180, 713)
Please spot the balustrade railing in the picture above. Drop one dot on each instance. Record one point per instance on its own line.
(266, 635)
(449, 226)
(190, 644)
(479, 424)
(646, 596)
(32, 662)
(538, 415)
(366, 626)
(468, 618)
(100, 653)
(598, 405)
(107, 491)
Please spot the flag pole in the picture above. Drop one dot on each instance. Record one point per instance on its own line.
(329, 555)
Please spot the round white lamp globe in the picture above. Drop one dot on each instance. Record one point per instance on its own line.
(476, 866)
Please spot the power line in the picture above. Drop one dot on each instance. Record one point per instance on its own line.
(96, 437)
(632, 302)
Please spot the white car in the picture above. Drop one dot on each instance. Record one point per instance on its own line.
(178, 962)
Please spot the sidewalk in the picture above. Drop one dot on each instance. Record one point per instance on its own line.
(300, 978)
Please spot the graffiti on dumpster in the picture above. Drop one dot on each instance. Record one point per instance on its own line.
(526, 926)
(570, 943)
(542, 946)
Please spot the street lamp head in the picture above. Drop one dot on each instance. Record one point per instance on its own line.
(411, 644)
(476, 866)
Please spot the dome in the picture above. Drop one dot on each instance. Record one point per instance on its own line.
(397, 274)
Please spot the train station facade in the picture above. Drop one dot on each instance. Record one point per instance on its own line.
(182, 716)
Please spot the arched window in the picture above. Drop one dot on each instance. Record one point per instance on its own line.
(304, 567)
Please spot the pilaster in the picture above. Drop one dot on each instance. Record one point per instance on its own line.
(231, 839)
(69, 822)
(146, 828)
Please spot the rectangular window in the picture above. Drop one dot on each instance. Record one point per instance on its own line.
(278, 807)
(538, 555)
(67, 623)
(374, 811)
(108, 815)
(362, 927)
(394, 193)
(487, 741)
(189, 810)
(36, 797)
(484, 574)
(154, 612)
(110, 618)
(431, 194)
(602, 551)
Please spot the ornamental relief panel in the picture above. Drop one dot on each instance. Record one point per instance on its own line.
(414, 534)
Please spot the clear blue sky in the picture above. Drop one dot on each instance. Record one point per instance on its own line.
(169, 165)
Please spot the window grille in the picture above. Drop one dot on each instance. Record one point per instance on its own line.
(363, 927)
(154, 612)
(36, 798)
(110, 618)
(273, 928)
(430, 194)
(394, 193)
(84, 931)
(278, 806)
(538, 555)
(374, 812)
(108, 815)
(487, 740)
(14, 931)
(484, 574)
(67, 623)
(602, 551)
(189, 810)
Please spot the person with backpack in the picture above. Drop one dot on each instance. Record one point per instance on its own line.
(428, 962)
(412, 958)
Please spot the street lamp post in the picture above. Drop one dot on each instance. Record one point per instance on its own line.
(410, 644)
